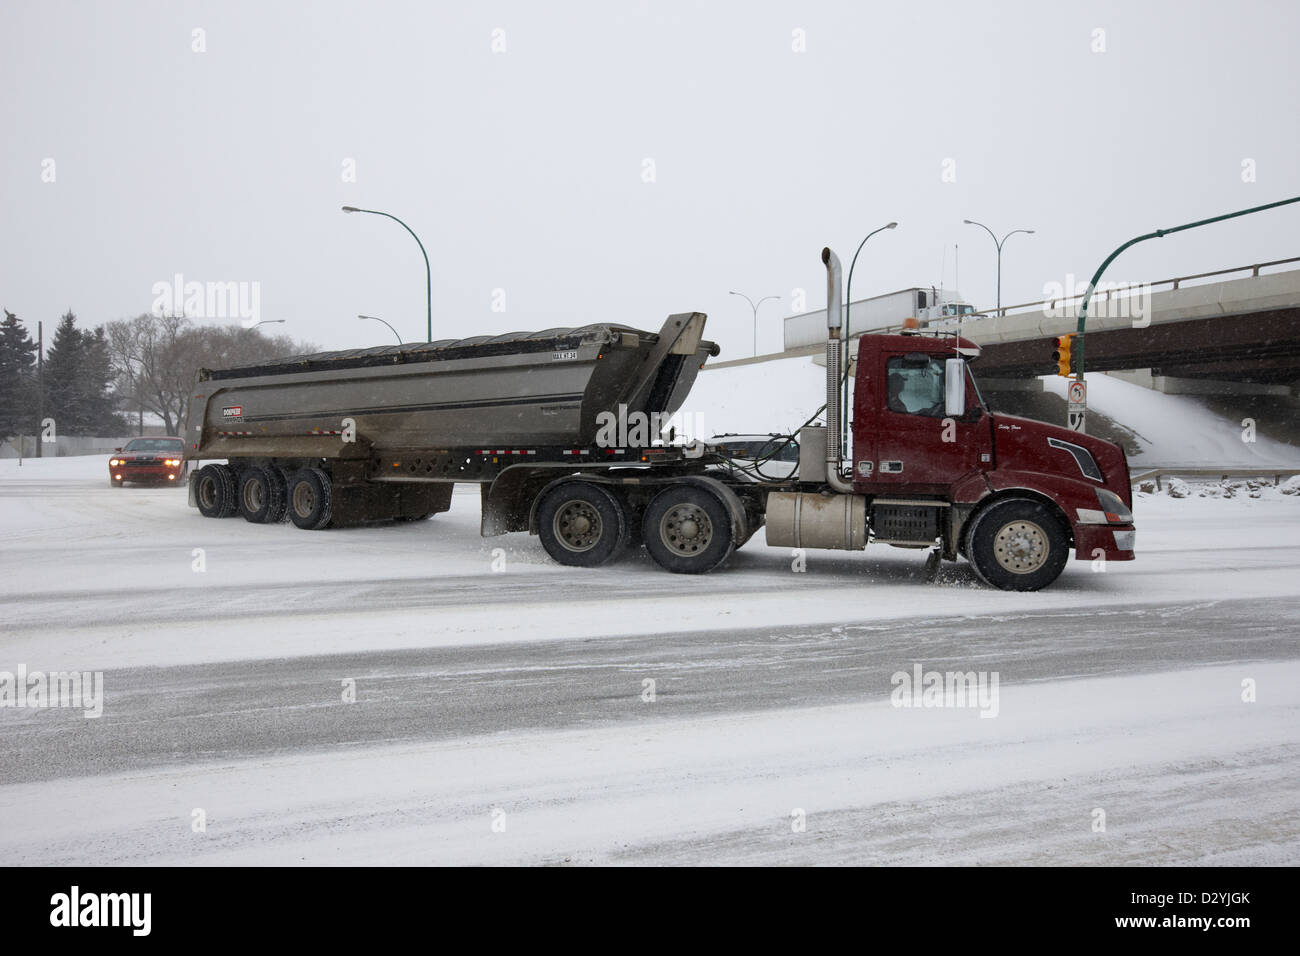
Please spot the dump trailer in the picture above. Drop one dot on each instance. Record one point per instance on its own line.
(561, 431)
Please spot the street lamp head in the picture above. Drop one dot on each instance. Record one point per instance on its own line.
(891, 225)
(1030, 231)
(351, 209)
(968, 222)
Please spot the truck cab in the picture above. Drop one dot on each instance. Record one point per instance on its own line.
(1062, 488)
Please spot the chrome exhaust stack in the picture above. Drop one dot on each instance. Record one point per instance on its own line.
(834, 372)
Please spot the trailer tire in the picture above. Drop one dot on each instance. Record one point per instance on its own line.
(214, 491)
(1017, 545)
(581, 524)
(261, 495)
(688, 530)
(310, 500)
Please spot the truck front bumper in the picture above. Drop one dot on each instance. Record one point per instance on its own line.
(1114, 541)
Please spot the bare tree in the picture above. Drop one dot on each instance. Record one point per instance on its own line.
(156, 359)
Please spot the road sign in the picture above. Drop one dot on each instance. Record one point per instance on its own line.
(1074, 419)
(1078, 393)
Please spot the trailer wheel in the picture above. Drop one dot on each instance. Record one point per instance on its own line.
(1017, 545)
(687, 530)
(261, 495)
(214, 491)
(581, 524)
(310, 505)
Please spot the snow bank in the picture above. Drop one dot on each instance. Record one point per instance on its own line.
(1175, 430)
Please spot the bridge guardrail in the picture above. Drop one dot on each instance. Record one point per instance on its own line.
(1200, 472)
(1106, 294)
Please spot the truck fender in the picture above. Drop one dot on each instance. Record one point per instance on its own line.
(541, 493)
(1010, 485)
(739, 523)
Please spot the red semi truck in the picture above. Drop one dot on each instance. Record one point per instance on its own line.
(364, 435)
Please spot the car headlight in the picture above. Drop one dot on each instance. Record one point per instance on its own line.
(115, 461)
(1113, 505)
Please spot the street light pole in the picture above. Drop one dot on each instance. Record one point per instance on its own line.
(428, 272)
(376, 318)
(848, 296)
(754, 306)
(267, 322)
(848, 331)
(1030, 232)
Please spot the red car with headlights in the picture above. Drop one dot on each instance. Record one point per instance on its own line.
(155, 460)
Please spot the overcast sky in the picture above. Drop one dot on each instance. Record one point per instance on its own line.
(515, 140)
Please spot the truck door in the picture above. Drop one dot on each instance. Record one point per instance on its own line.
(916, 449)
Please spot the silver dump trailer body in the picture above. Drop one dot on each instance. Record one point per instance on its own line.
(529, 388)
(367, 434)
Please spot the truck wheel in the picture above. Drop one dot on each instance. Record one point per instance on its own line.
(261, 496)
(581, 524)
(310, 506)
(214, 490)
(687, 530)
(1017, 545)
(281, 481)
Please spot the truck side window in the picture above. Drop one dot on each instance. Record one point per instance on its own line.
(915, 391)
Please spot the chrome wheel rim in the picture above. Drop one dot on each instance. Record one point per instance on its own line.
(1021, 547)
(253, 496)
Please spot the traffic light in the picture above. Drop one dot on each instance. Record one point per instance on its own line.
(1062, 354)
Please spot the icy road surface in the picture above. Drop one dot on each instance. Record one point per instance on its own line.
(504, 715)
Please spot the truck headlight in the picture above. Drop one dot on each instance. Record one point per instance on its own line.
(1113, 505)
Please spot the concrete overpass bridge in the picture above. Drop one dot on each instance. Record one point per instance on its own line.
(1232, 329)
(1242, 330)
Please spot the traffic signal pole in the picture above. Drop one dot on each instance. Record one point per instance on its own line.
(1159, 233)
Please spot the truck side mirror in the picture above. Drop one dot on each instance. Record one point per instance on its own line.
(954, 388)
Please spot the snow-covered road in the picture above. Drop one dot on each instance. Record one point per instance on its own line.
(493, 687)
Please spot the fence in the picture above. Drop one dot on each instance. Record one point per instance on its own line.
(66, 446)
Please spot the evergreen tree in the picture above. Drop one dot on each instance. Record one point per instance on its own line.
(17, 384)
(77, 379)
